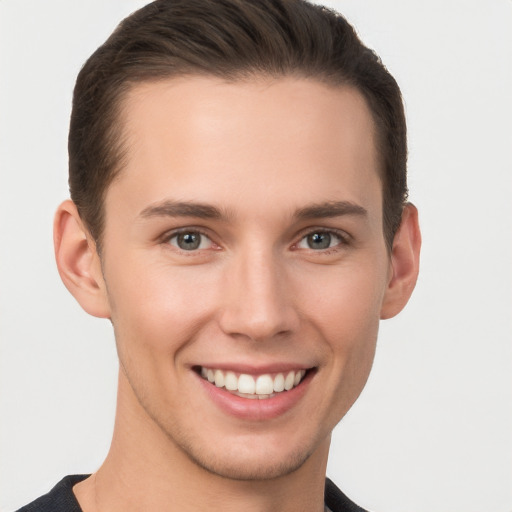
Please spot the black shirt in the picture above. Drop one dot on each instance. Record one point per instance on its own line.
(62, 499)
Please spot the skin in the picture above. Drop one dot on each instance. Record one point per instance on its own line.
(255, 293)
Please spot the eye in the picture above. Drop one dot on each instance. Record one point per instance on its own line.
(320, 240)
(190, 241)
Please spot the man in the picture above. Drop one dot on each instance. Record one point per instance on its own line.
(238, 211)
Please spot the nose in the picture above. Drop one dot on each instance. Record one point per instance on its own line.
(258, 303)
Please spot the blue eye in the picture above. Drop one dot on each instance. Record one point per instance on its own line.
(190, 241)
(320, 240)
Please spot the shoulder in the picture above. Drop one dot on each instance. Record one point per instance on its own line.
(336, 501)
(62, 499)
(59, 499)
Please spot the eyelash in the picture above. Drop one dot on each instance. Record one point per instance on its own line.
(166, 239)
(344, 240)
(343, 237)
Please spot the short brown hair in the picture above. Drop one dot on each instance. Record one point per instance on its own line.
(233, 40)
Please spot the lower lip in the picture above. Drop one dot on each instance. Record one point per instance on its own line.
(255, 409)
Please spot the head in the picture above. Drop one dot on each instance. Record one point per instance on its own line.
(241, 166)
(233, 41)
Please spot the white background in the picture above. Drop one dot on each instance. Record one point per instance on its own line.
(432, 432)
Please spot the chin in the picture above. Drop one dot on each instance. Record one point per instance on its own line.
(249, 466)
(247, 458)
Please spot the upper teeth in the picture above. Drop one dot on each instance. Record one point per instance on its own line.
(265, 384)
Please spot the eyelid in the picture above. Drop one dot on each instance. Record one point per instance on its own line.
(169, 235)
(345, 237)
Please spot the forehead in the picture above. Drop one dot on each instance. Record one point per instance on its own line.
(210, 140)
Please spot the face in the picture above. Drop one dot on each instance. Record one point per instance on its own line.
(245, 266)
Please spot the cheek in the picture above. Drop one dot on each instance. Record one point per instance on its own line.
(351, 287)
(160, 307)
(345, 307)
(346, 314)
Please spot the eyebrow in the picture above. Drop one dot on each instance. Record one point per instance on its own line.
(169, 208)
(330, 209)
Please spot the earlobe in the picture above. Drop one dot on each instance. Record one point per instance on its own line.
(78, 261)
(405, 256)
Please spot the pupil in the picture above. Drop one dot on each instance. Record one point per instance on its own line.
(189, 241)
(319, 240)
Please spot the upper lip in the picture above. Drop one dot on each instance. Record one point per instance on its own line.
(252, 369)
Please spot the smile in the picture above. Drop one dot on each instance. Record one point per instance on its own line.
(253, 386)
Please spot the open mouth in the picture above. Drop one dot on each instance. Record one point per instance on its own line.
(264, 386)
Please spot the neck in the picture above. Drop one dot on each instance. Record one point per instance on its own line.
(146, 470)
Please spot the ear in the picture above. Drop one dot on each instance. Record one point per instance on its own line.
(405, 260)
(78, 262)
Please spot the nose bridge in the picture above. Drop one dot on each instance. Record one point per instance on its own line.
(257, 303)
